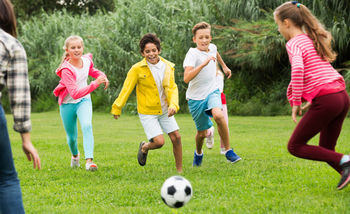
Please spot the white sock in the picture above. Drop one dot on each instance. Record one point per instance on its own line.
(199, 154)
(344, 159)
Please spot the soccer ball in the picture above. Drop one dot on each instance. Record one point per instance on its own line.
(176, 191)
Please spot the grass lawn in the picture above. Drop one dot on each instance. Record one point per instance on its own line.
(267, 180)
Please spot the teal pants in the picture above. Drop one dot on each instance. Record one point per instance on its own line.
(69, 114)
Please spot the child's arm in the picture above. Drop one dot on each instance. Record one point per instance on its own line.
(225, 69)
(191, 72)
(95, 73)
(128, 87)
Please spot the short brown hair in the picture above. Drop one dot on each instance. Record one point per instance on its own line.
(199, 26)
(7, 17)
(149, 38)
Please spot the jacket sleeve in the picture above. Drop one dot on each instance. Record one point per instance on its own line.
(92, 70)
(173, 94)
(95, 72)
(128, 87)
(69, 81)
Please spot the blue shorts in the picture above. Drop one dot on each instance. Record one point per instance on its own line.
(201, 109)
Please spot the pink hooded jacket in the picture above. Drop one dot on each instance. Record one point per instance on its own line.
(68, 84)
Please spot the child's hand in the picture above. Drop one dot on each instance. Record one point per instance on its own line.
(100, 79)
(296, 110)
(208, 60)
(227, 72)
(306, 106)
(171, 112)
(106, 83)
(116, 116)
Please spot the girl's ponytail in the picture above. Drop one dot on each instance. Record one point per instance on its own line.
(322, 39)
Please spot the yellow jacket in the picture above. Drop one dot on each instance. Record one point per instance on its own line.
(148, 99)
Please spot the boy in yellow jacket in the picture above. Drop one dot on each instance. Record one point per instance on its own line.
(157, 99)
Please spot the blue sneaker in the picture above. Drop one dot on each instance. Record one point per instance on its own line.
(197, 159)
(232, 157)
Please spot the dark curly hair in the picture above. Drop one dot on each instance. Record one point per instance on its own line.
(149, 38)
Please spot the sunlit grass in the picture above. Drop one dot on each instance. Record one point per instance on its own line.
(267, 180)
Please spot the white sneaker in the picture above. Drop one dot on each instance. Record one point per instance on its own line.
(74, 163)
(210, 139)
(222, 151)
(90, 166)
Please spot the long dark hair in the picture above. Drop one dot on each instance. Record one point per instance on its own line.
(7, 17)
(302, 17)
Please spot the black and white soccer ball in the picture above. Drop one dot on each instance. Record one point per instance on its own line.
(176, 191)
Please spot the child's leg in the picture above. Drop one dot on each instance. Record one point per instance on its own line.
(69, 119)
(177, 149)
(155, 143)
(199, 140)
(330, 134)
(224, 111)
(84, 113)
(323, 112)
(222, 126)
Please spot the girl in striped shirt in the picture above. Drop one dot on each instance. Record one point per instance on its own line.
(316, 82)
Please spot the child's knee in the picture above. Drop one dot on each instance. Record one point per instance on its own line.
(292, 148)
(159, 142)
(86, 127)
(175, 136)
(202, 134)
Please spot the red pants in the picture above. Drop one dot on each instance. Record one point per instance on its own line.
(325, 116)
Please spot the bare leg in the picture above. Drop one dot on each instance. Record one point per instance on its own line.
(199, 140)
(157, 143)
(222, 126)
(177, 149)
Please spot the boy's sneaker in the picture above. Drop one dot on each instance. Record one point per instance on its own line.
(74, 163)
(90, 166)
(210, 139)
(345, 175)
(142, 157)
(222, 151)
(197, 159)
(232, 157)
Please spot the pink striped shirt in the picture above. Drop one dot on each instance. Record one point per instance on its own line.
(310, 73)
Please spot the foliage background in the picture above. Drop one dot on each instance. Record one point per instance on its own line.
(243, 30)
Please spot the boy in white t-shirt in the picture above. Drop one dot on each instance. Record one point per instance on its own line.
(203, 95)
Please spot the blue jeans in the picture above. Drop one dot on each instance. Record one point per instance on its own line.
(69, 114)
(10, 190)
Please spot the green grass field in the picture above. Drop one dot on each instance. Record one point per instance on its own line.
(267, 180)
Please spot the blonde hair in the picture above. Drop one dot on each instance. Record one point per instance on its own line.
(66, 45)
(302, 17)
(199, 26)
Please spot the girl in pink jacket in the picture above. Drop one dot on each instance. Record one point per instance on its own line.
(73, 94)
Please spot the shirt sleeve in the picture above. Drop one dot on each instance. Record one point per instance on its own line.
(297, 75)
(19, 89)
(190, 60)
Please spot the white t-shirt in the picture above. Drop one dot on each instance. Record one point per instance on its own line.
(205, 81)
(158, 71)
(81, 80)
(220, 81)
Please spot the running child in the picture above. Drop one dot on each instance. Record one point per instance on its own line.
(315, 81)
(74, 98)
(157, 99)
(203, 94)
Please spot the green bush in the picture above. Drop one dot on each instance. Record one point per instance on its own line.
(243, 30)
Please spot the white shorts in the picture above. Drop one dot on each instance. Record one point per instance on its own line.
(154, 124)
